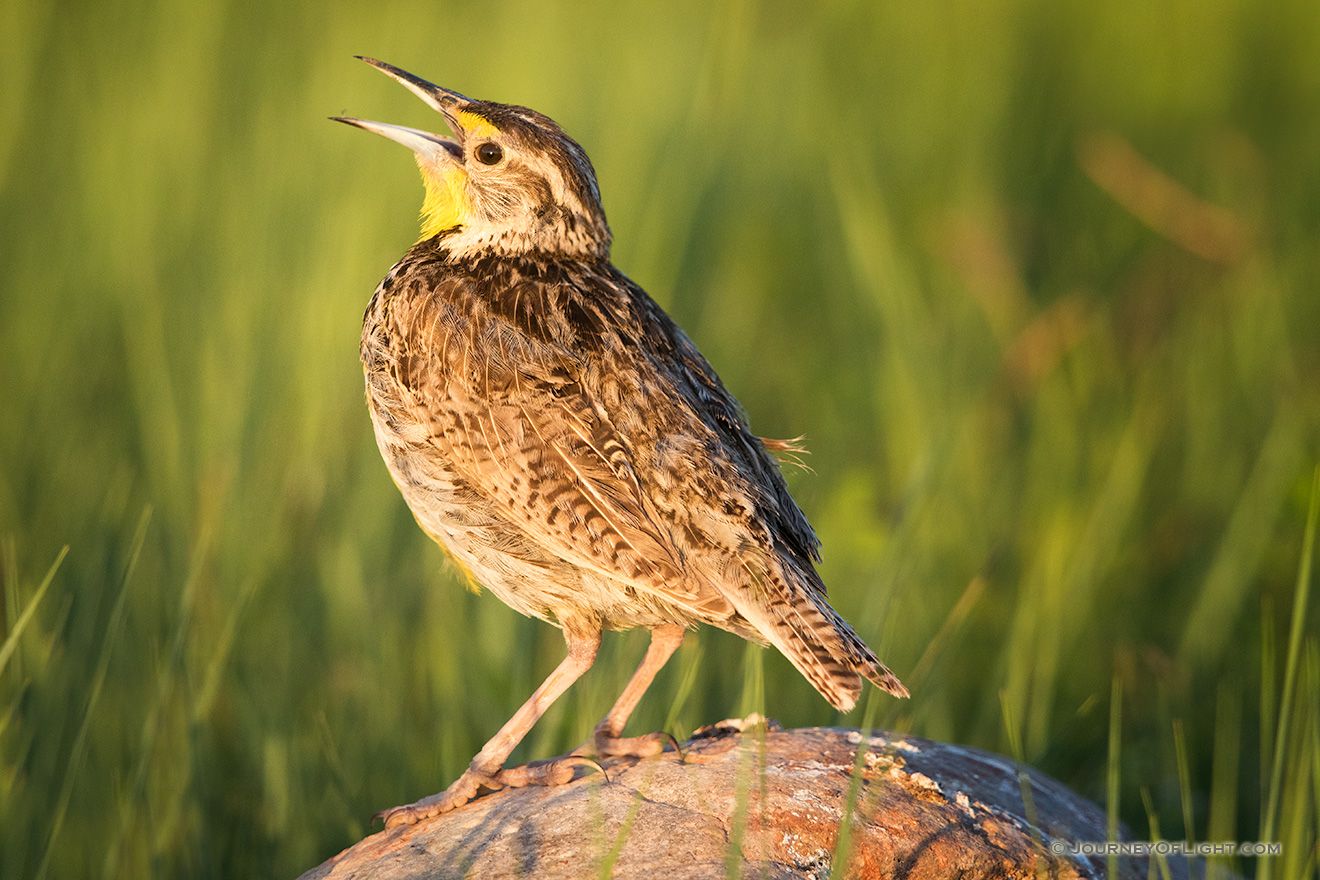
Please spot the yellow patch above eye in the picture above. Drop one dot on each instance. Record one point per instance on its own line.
(475, 126)
(446, 204)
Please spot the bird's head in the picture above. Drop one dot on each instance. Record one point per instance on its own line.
(509, 181)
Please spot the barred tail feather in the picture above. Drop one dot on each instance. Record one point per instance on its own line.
(835, 681)
(824, 648)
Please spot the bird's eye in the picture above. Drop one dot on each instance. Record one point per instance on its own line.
(489, 153)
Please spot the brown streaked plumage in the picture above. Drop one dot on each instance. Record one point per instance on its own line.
(567, 444)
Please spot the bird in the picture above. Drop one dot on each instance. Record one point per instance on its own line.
(567, 445)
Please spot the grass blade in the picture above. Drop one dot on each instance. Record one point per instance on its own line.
(1113, 774)
(11, 641)
(1300, 597)
(112, 629)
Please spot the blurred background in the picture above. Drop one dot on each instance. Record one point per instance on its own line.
(1037, 281)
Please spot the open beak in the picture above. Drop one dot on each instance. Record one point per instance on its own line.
(434, 147)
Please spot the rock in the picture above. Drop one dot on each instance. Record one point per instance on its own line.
(760, 802)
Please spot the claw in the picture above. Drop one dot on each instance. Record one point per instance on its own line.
(588, 761)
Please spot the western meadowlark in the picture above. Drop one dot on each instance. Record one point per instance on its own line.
(566, 443)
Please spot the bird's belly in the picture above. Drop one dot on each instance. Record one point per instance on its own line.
(494, 552)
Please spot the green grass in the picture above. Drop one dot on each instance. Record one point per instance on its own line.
(1038, 282)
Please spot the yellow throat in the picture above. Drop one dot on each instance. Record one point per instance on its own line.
(446, 205)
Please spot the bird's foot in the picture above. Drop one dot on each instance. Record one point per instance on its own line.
(553, 771)
(603, 745)
(462, 790)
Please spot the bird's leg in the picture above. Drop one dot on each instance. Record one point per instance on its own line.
(484, 771)
(606, 739)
